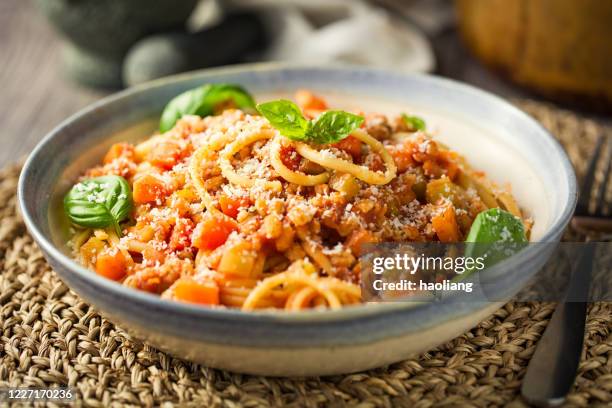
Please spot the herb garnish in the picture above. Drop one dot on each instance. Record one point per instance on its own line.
(201, 101)
(415, 122)
(99, 202)
(329, 127)
(495, 235)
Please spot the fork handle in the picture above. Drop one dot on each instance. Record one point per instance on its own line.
(552, 369)
(588, 223)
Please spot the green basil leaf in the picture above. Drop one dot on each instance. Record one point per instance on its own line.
(495, 235)
(497, 225)
(416, 122)
(201, 101)
(99, 202)
(287, 118)
(333, 126)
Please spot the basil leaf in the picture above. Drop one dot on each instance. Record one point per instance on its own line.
(99, 202)
(330, 127)
(201, 101)
(497, 225)
(495, 235)
(287, 118)
(333, 126)
(416, 122)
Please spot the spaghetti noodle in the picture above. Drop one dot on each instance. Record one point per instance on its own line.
(227, 212)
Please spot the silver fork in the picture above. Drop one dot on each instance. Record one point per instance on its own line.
(552, 369)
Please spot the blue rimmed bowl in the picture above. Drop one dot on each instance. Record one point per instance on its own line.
(495, 136)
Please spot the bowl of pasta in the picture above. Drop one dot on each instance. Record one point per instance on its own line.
(221, 215)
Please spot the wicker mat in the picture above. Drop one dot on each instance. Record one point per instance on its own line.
(51, 337)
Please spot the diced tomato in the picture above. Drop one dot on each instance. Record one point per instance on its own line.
(149, 188)
(351, 145)
(111, 264)
(358, 238)
(165, 154)
(290, 157)
(213, 231)
(153, 256)
(191, 291)
(445, 225)
(181, 234)
(307, 100)
(119, 150)
(231, 205)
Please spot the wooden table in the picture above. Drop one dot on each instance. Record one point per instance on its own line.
(35, 96)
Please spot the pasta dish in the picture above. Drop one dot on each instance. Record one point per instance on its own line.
(262, 206)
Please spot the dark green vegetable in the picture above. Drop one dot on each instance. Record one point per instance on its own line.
(99, 203)
(330, 127)
(287, 117)
(416, 122)
(201, 101)
(497, 225)
(333, 126)
(495, 235)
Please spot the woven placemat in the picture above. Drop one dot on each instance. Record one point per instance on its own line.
(51, 337)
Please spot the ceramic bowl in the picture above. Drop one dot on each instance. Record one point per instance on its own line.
(494, 135)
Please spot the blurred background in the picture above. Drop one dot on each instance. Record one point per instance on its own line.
(57, 56)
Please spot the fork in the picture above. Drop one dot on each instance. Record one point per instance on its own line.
(552, 369)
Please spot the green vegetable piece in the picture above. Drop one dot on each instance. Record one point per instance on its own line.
(333, 126)
(415, 122)
(330, 127)
(497, 225)
(495, 235)
(201, 101)
(286, 117)
(99, 202)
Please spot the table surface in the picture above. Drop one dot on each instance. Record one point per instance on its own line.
(36, 95)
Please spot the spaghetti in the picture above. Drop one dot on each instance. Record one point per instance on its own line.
(227, 212)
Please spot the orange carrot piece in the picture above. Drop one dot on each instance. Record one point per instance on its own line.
(111, 264)
(165, 154)
(148, 188)
(445, 225)
(213, 231)
(119, 150)
(191, 291)
(231, 205)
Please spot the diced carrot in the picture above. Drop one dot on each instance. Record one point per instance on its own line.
(351, 145)
(165, 154)
(119, 150)
(402, 158)
(148, 188)
(231, 205)
(191, 291)
(213, 231)
(358, 238)
(90, 249)
(111, 265)
(307, 100)
(153, 256)
(181, 234)
(445, 225)
(448, 161)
